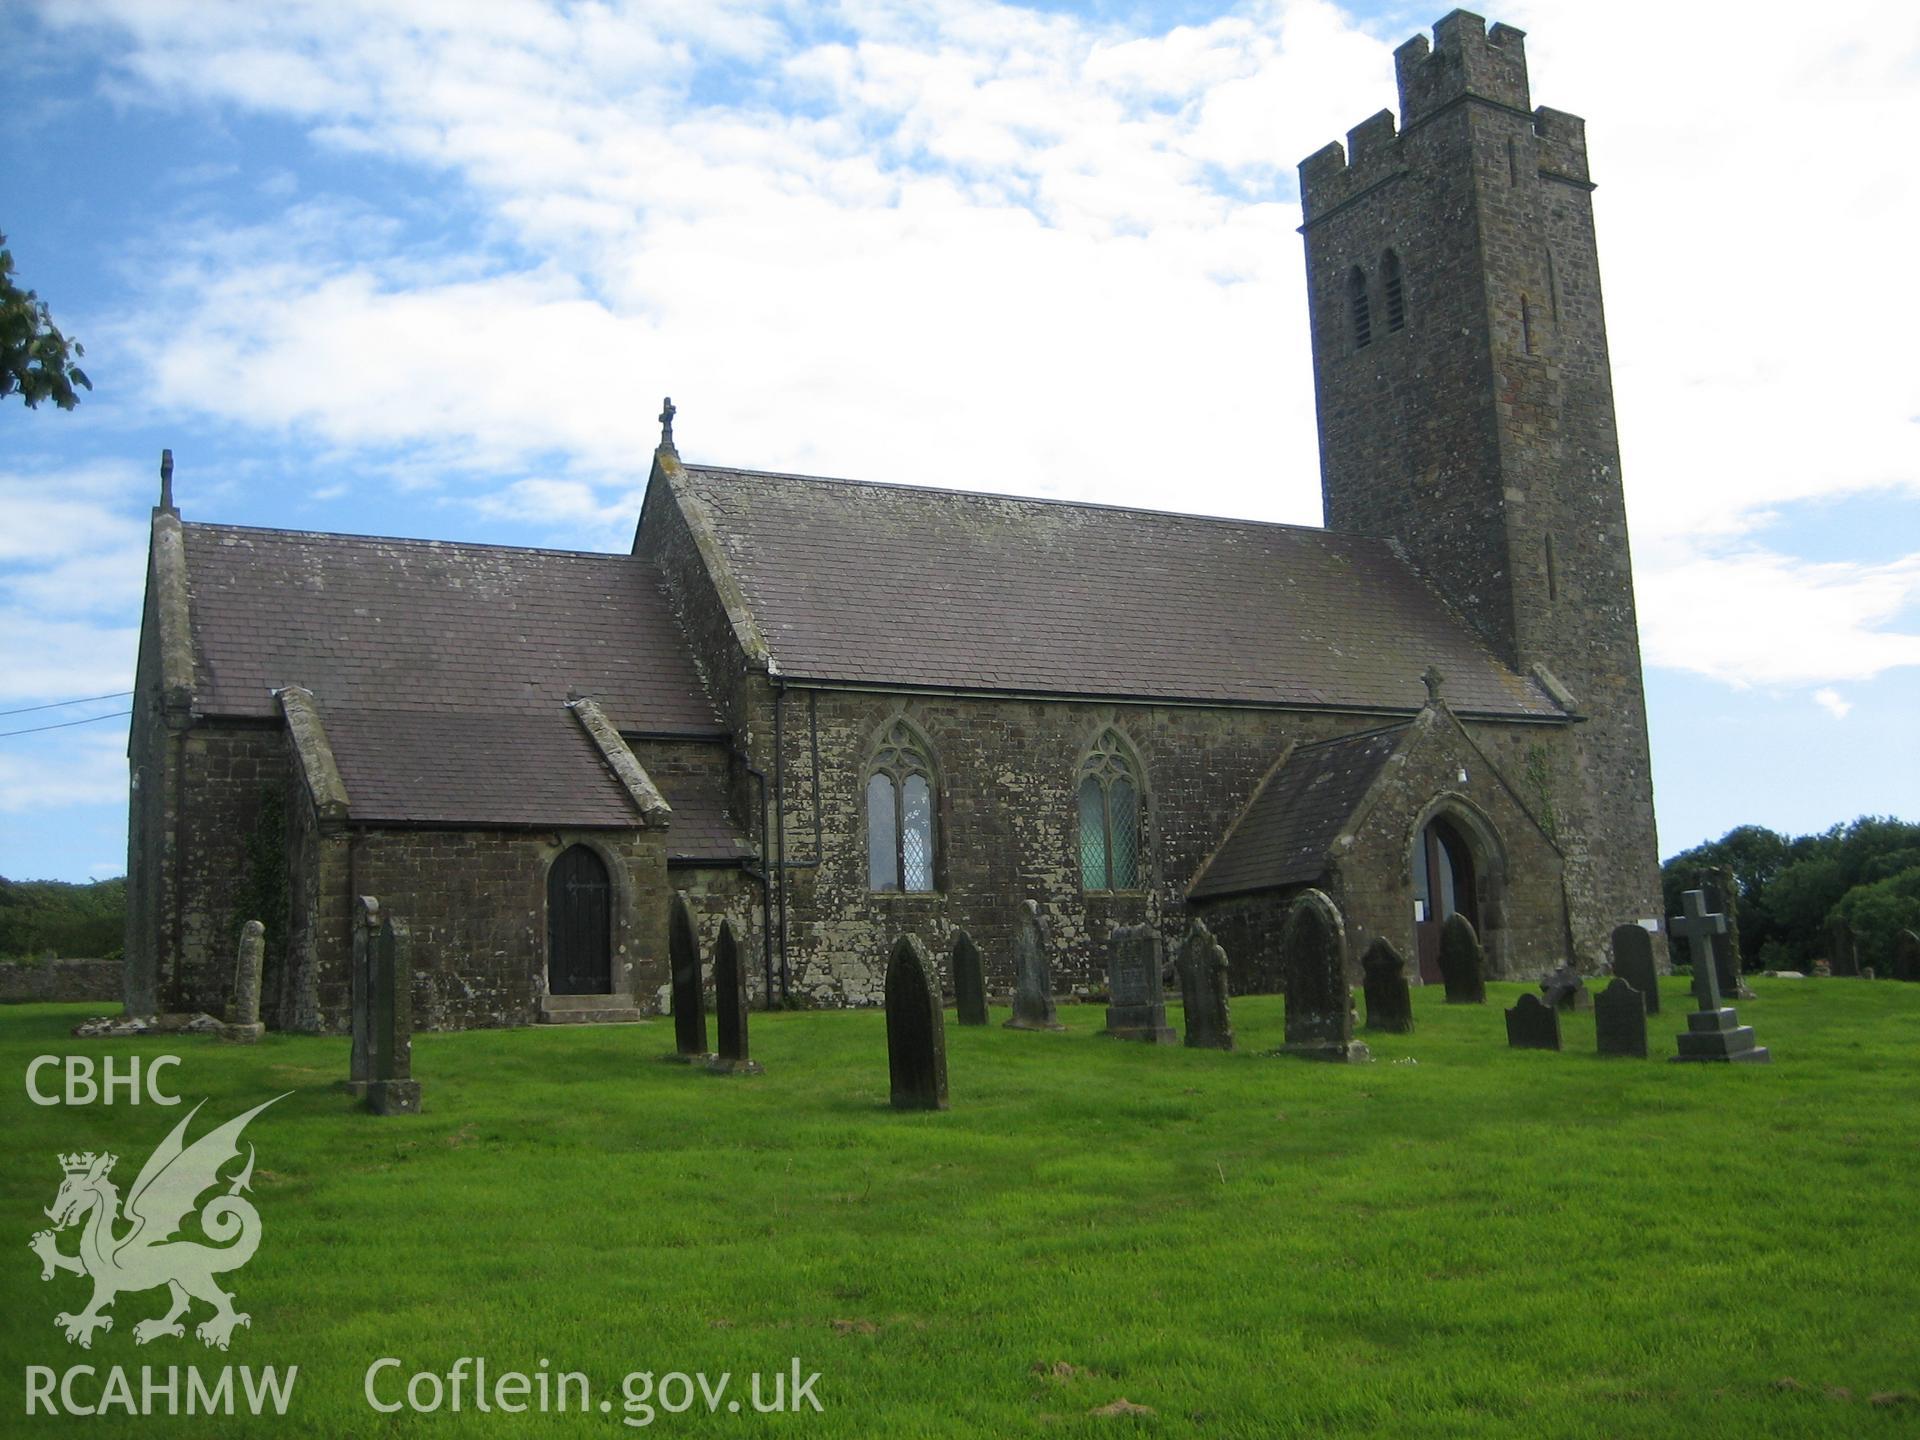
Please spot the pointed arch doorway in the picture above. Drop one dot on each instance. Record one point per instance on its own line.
(579, 924)
(1444, 883)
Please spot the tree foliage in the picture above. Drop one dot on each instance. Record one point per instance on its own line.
(36, 360)
(1867, 872)
(42, 918)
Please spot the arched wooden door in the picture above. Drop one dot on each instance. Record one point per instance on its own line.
(1443, 885)
(579, 925)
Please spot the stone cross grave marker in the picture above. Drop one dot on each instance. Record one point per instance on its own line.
(243, 1016)
(392, 1090)
(1203, 990)
(689, 999)
(1463, 965)
(1633, 963)
(1566, 989)
(1620, 1020)
(730, 1004)
(1313, 961)
(1532, 1024)
(1032, 980)
(1137, 1004)
(969, 980)
(1383, 979)
(1713, 1030)
(916, 1030)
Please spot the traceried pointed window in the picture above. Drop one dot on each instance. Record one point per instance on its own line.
(900, 814)
(1394, 289)
(1359, 308)
(1109, 817)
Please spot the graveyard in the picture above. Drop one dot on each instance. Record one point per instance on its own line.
(1453, 1237)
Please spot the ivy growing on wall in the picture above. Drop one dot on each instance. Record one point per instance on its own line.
(1540, 782)
(263, 893)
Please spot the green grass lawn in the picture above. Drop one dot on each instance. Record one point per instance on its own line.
(1482, 1242)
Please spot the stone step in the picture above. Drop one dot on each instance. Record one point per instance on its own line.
(589, 1010)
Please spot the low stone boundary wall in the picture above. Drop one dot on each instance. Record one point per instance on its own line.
(59, 980)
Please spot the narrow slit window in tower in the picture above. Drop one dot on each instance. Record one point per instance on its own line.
(1513, 161)
(1553, 288)
(1553, 574)
(1526, 325)
(1362, 311)
(1394, 289)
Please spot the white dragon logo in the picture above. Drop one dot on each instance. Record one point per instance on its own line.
(146, 1256)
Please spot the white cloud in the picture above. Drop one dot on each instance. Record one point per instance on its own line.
(1831, 701)
(90, 769)
(967, 243)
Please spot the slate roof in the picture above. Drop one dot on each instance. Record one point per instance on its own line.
(899, 585)
(702, 829)
(376, 623)
(1283, 835)
(506, 768)
(441, 671)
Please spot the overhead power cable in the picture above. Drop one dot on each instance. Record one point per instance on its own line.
(62, 704)
(66, 724)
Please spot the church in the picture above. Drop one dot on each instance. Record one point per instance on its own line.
(836, 711)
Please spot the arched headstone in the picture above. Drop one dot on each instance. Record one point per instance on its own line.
(969, 980)
(366, 930)
(1633, 963)
(689, 1000)
(1463, 964)
(1203, 990)
(1383, 978)
(1032, 977)
(1620, 1020)
(1313, 962)
(916, 1030)
(730, 1006)
(1136, 1003)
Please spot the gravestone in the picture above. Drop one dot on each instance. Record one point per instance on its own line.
(391, 1090)
(1313, 964)
(730, 1001)
(1843, 952)
(366, 930)
(1203, 990)
(1906, 956)
(1566, 989)
(1032, 980)
(1716, 882)
(916, 1030)
(1633, 963)
(1532, 1024)
(1136, 1003)
(969, 981)
(1620, 1020)
(1463, 965)
(243, 1016)
(689, 1001)
(1713, 1030)
(1383, 978)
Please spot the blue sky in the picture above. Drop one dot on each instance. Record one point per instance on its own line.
(419, 268)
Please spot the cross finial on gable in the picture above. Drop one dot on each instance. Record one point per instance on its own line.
(1431, 679)
(166, 479)
(666, 424)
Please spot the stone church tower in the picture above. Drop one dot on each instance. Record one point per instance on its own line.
(1466, 412)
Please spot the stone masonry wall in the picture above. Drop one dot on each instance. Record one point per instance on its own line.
(60, 980)
(1481, 435)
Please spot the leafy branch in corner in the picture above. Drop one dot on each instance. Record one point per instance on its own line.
(36, 360)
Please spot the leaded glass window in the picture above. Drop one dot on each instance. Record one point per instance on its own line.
(900, 814)
(1109, 818)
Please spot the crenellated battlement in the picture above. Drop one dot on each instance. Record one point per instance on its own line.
(1465, 59)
